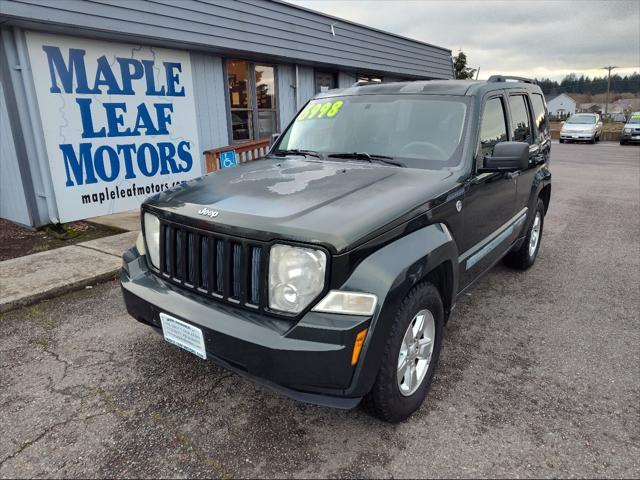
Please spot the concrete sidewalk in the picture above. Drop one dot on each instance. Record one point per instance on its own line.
(32, 278)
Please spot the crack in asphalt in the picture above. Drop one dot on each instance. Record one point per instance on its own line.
(46, 431)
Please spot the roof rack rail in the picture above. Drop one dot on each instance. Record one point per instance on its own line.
(504, 78)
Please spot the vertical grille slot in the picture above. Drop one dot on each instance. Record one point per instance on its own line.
(166, 258)
(213, 264)
(205, 258)
(178, 273)
(236, 275)
(190, 263)
(219, 267)
(256, 254)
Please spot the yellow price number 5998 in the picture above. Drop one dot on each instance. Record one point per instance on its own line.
(320, 110)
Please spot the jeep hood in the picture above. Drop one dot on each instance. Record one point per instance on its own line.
(335, 203)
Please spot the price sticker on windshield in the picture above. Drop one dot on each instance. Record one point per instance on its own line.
(320, 110)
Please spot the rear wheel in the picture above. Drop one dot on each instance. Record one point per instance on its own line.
(526, 255)
(410, 357)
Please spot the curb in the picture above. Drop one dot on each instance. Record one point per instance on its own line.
(55, 292)
(44, 275)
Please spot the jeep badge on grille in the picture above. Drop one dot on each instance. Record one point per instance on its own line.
(209, 213)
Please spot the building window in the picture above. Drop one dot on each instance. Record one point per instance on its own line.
(325, 81)
(367, 77)
(252, 100)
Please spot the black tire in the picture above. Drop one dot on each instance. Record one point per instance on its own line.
(593, 140)
(385, 401)
(561, 141)
(622, 142)
(522, 259)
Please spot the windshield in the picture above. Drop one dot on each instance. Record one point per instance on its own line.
(416, 130)
(634, 119)
(582, 119)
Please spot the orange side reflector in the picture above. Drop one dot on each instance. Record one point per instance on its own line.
(357, 346)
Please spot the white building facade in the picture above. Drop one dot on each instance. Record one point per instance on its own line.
(561, 105)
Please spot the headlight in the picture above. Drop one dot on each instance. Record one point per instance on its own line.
(627, 130)
(296, 277)
(152, 236)
(140, 244)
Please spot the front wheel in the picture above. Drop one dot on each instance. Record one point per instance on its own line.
(526, 255)
(410, 357)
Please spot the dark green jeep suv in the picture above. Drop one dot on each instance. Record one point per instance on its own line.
(327, 269)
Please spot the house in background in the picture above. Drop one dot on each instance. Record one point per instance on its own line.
(591, 108)
(561, 105)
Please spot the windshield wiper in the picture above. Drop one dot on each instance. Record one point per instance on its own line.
(304, 153)
(368, 157)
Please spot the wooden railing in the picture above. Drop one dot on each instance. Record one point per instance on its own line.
(244, 152)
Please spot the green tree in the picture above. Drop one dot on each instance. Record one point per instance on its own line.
(460, 67)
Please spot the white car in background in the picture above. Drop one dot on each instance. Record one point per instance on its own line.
(631, 130)
(581, 127)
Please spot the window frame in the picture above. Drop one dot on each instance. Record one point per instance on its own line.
(252, 98)
(507, 124)
(529, 109)
(540, 135)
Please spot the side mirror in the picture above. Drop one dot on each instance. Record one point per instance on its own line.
(274, 138)
(507, 157)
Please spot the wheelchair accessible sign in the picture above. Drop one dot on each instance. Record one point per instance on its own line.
(228, 159)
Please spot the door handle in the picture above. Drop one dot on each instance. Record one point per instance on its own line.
(512, 175)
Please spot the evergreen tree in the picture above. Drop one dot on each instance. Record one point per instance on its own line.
(460, 68)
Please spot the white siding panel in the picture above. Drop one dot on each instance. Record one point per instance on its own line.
(13, 204)
(254, 26)
(209, 92)
(286, 94)
(306, 84)
(346, 79)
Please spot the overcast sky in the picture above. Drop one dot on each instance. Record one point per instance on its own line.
(531, 38)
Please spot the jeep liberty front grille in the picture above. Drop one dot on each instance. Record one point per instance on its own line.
(227, 268)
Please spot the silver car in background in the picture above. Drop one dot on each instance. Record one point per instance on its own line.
(581, 127)
(631, 130)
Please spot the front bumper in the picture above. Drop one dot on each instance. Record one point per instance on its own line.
(577, 136)
(630, 137)
(309, 360)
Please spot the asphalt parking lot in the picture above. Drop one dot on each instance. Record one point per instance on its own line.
(539, 374)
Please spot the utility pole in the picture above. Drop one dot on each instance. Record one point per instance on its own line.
(606, 105)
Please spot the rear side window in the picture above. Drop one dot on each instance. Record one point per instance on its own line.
(520, 128)
(494, 126)
(541, 119)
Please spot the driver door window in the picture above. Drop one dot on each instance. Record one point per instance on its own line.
(494, 126)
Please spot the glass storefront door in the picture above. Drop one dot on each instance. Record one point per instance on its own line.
(252, 100)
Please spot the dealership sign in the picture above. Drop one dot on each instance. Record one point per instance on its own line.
(119, 121)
